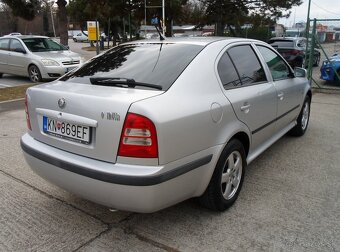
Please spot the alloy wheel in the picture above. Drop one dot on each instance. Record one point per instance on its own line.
(231, 175)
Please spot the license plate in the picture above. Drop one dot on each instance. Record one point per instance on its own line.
(66, 130)
(69, 69)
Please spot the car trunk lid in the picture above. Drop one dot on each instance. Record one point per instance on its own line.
(82, 119)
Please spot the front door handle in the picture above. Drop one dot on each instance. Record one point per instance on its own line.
(245, 107)
(280, 96)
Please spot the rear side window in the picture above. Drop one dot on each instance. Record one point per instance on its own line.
(4, 44)
(247, 65)
(227, 72)
(152, 63)
(276, 65)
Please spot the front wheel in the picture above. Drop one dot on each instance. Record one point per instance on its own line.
(303, 119)
(34, 73)
(226, 181)
(0, 75)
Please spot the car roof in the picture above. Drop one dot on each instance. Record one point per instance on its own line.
(287, 38)
(203, 41)
(30, 36)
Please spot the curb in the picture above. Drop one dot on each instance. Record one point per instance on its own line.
(12, 105)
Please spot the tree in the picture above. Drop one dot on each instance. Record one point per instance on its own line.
(28, 9)
(25, 9)
(12, 21)
(62, 20)
(234, 13)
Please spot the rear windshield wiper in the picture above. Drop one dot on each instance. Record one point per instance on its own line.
(115, 81)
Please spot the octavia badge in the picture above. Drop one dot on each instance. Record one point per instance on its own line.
(62, 103)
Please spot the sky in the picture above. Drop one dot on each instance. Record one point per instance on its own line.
(319, 9)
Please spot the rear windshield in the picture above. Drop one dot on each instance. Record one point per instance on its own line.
(153, 63)
(281, 43)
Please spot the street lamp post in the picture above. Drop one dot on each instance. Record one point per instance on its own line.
(163, 15)
(52, 19)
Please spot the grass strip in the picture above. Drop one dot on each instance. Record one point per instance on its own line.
(12, 93)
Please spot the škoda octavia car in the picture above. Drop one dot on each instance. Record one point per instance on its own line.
(151, 123)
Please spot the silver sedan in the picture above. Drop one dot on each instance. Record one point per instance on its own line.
(39, 58)
(149, 124)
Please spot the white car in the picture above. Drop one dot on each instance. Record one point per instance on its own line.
(13, 34)
(81, 37)
(151, 123)
(40, 58)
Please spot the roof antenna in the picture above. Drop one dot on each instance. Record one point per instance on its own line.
(161, 38)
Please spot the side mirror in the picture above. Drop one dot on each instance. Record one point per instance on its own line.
(20, 50)
(300, 72)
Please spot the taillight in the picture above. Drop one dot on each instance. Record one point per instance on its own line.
(28, 120)
(139, 138)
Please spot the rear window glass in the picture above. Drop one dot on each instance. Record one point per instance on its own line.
(153, 63)
(281, 43)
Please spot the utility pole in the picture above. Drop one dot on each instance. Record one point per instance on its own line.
(307, 28)
(52, 19)
(163, 15)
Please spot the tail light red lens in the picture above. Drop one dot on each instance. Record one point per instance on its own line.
(139, 138)
(28, 120)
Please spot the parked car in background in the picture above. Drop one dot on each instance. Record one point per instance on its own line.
(81, 37)
(134, 131)
(13, 34)
(293, 49)
(329, 68)
(38, 57)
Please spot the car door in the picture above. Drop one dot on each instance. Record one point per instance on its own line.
(289, 89)
(245, 85)
(17, 60)
(4, 47)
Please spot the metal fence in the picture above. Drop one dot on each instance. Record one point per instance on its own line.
(324, 40)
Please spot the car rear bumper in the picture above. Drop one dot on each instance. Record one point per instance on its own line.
(139, 189)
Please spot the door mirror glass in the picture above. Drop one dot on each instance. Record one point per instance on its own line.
(300, 72)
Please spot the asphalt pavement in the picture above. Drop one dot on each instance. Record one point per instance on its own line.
(290, 201)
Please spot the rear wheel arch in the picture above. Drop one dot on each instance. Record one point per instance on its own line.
(244, 139)
(227, 178)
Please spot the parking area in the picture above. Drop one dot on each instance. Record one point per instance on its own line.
(8, 80)
(290, 201)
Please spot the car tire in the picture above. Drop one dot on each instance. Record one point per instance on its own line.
(1, 75)
(299, 63)
(317, 61)
(75, 40)
(302, 120)
(227, 179)
(34, 73)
